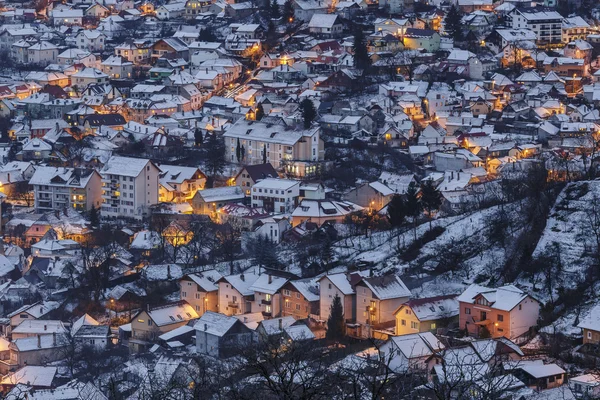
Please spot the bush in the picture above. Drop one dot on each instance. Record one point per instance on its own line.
(414, 249)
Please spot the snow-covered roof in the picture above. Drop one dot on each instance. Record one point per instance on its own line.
(272, 326)
(215, 324)
(591, 320)
(124, 166)
(386, 287)
(299, 332)
(174, 313)
(207, 280)
(145, 240)
(267, 283)
(309, 288)
(541, 370)
(276, 183)
(224, 193)
(325, 208)
(31, 375)
(503, 298)
(341, 282)
(417, 345)
(242, 282)
(35, 326)
(433, 308)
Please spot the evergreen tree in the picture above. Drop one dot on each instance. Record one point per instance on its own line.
(260, 112)
(243, 151)
(238, 150)
(288, 11)
(207, 35)
(336, 328)
(265, 254)
(430, 198)
(361, 54)
(275, 13)
(214, 155)
(198, 137)
(309, 112)
(94, 217)
(396, 211)
(413, 205)
(453, 23)
(264, 154)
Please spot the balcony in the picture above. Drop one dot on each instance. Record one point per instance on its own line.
(265, 302)
(231, 304)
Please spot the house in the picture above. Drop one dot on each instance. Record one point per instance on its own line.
(130, 186)
(249, 175)
(219, 335)
(34, 328)
(300, 298)
(89, 333)
(172, 47)
(539, 376)
(93, 123)
(67, 17)
(235, 295)
(170, 11)
(325, 25)
(426, 315)
(505, 311)
(276, 195)
(30, 311)
(376, 195)
(37, 377)
(148, 324)
(586, 386)
(179, 184)
(201, 291)
(321, 211)
(91, 40)
(208, 201)
(37, 350)
(377, 298)
(273, 329)
(76, 188)
(36, 150)
(88, 76)
(195, 7)
(268, 297)
(117, 67)
(341, 285)
(42, 53)
(426, 39)
(590, 326)
(411, 353)
(574, 28)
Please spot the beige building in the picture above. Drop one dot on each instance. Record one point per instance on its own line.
(201, 291)
(148, 325)
(426, 315)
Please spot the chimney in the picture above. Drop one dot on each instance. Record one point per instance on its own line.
(45, 327)
(54, 339)
(270, 279)
(458, 176)
(280, 324)
(451, 175)
(245, 319)
(205, 327)
(242, 277)
(39, 341)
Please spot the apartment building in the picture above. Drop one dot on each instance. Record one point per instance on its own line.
(545, 23)
(276, 195)
(179, 184)
(58, 188)
(200, 290)
(129, 186)
(299, 152)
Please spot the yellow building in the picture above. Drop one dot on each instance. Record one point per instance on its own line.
(426, 315)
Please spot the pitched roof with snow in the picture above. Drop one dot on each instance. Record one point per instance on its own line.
(503, 298)
(386, 287)
(215, 324)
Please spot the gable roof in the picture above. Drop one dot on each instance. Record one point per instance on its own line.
(259, 171)
(503, 298)
(215, 324)
(173, 313)
(386, 287)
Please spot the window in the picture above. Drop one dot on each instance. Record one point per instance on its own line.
(414, 325)
(403, 322)
(298, 307)
(468, 311)
(408, 312)
(330, 286)
(288, 304)
(433, 326)
(183, 294)
(286, 292)
(589, 335)
(500, 318)
(149, 322)
(520, 307)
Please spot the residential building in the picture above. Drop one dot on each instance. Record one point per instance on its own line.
(219, 335)
(91, 40)
(130, 186)
(325, 25)
(590, 326)
(341, 285)
(179, 184)
(300, 298)
(57, 188)
(545, 23)
(117, 67)
(426, 39)
(377, 298)
(321, 211)
(251, 174)
(42, 53)
(201, 291)
(426, 315)
(299, 152)
(412, 352)
(148, 325)
(276, 195)
(505, 311)
(209, 201)
(235, 295)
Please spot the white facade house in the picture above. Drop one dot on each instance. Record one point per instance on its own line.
(546, 24)
(42, 53)
(91, 40)
(57, 188)
(326, 25)
(130, 186)
(88, 76)
(276, 195)
(235, 295)
(87, 332)
(329, 287)
(67, 17)
(410, 352)
(117, 67)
